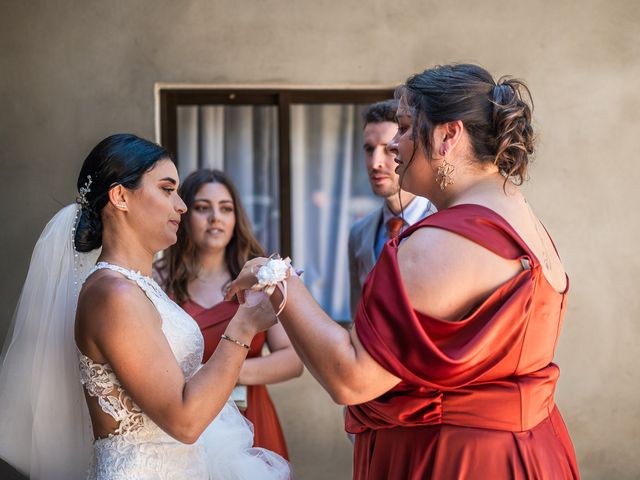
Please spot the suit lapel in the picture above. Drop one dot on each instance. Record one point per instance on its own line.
(367, 247)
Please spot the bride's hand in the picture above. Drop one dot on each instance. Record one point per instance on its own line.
(245, 279)
(256, 313)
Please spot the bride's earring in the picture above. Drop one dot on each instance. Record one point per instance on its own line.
(444, 177)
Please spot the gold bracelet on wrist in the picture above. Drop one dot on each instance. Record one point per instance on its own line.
(224, 336)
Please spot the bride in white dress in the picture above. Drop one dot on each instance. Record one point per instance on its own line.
(133, 373)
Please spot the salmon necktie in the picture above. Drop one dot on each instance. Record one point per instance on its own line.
(394, 225)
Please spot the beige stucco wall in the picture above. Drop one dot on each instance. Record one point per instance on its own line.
(72, 72)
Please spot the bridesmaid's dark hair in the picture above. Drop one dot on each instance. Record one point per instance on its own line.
(497, 115)
(120, 159)
(179, 264)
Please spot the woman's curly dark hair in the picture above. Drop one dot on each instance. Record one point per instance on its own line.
(497, 115)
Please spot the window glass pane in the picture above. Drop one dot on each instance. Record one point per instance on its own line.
(243, 142)
(329, 190)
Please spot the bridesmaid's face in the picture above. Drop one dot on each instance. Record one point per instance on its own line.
(212, 219)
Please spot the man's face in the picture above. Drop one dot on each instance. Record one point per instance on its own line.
(378, 160)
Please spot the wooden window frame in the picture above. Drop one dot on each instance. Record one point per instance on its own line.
(283, 98)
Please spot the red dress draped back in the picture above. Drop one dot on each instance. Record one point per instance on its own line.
(476, 400)
(260, 409)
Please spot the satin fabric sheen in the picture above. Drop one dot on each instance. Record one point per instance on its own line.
(476, 400)
(260, 410)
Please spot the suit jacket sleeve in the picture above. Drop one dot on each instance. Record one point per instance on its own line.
(354, 276)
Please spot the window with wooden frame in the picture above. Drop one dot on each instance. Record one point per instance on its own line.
(296, 158)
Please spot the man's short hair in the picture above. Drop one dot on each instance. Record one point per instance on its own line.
(381, 112)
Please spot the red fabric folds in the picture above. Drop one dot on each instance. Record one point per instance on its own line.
(476, 396)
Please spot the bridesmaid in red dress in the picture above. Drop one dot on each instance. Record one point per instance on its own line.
(448, 371)
(214, 241)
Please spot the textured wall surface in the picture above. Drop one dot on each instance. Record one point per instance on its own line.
(72, 72)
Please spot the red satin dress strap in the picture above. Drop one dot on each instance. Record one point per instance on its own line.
(260, 409)
(476, 396)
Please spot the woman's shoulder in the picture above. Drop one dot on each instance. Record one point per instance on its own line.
(111, 309)
(446, 252)
(483, 224)
(460, 229)
(107, 285)
(108, 298)
(446, 273)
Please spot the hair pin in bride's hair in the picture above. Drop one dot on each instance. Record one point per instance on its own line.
(82, 198)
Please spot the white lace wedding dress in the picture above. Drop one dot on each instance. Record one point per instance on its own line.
(139, 449)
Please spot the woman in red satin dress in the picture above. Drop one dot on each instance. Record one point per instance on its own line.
(214, 241)
(448, 371)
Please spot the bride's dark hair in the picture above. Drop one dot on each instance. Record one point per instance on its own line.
(121, 159)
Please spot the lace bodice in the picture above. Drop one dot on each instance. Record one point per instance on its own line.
(185, 340)
(139, 449)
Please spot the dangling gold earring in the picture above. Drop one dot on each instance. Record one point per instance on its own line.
(445, 174)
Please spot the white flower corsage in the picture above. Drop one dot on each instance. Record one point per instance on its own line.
(272, 275)
(276, 270)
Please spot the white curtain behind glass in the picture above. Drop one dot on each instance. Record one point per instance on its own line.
(242, 141)
(329, 184)
(330, 190)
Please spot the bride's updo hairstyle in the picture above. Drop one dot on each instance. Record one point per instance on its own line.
(120, 159)
(496, 115)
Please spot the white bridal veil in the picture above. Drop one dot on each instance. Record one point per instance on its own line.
(45, 429)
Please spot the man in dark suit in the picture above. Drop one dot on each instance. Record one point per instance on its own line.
(368, 235)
